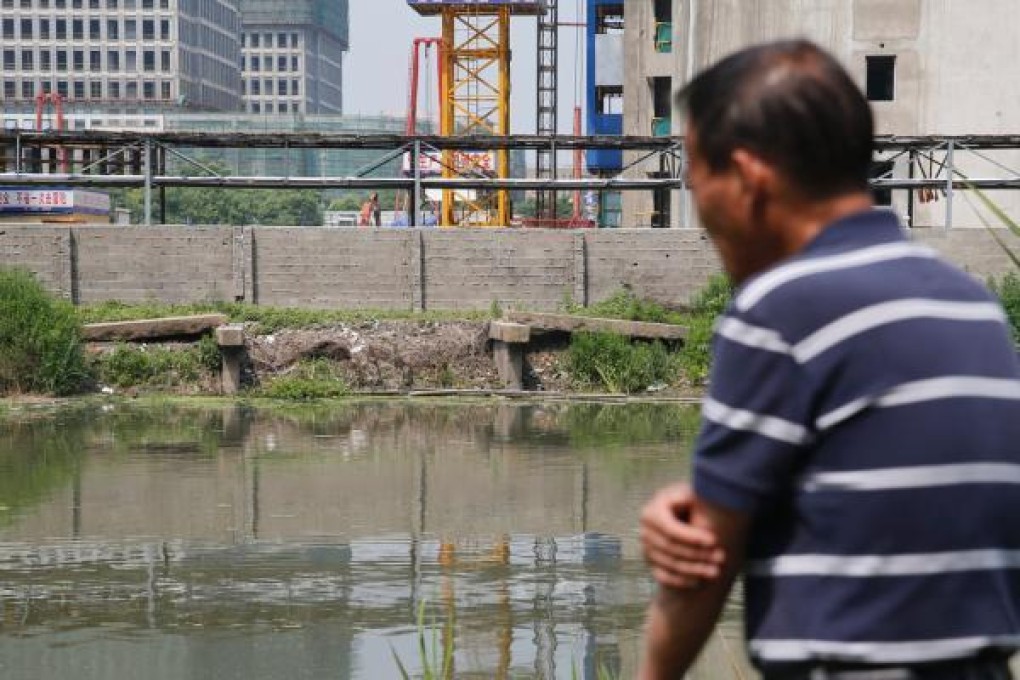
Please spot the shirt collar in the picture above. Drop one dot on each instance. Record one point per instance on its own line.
(862, 228)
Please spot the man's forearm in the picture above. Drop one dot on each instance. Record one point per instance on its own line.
(681, 620)
(679, 624)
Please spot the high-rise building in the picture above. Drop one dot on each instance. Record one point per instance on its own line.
(292, 55)
(121, 54)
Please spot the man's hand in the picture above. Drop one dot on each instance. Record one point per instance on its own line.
(680, 620)
(680, 555)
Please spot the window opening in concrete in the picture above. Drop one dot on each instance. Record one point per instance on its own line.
(881, 78)
(882, 170)
(609, 19)
(663, 34)
(609, 99)
(662, 106)
(660, 202)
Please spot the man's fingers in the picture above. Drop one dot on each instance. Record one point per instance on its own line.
(663, 517)
(678, 544)
(682, 567)
(694, 557)
(670, 580)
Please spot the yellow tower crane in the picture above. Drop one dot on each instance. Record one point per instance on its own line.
(475, 99)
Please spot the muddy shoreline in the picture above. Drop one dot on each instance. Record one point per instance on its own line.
(391, 357)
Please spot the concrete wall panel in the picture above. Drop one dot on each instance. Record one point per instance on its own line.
(324, 268)
(44, 251)
(524, 269)
(160, 264)
(397, 269)
(665, 265)
(886, 19)
(974, 250)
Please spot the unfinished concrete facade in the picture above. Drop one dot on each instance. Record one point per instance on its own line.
(930, 67)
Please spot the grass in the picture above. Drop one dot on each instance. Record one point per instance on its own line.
(436, 648)
(696, 355)
(435, 657)
(267, 320)
(40, 339)
(1008, 290)
(625, 305)
(153, 366)
(309, 380)
(617, 365)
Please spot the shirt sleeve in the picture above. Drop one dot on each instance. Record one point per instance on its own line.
(755, 418)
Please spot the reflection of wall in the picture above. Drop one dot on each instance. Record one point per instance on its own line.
(372, 473)
(524, 518)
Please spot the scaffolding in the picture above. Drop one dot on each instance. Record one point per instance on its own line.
(920, 168)
(547, 109)
(475, 101)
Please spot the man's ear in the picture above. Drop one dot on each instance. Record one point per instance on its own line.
(756, 177)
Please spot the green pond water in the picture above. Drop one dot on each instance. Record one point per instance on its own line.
(169, 541)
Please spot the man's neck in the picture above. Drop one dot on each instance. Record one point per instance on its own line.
(803, 222)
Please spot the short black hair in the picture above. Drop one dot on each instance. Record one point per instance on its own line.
(792, 104)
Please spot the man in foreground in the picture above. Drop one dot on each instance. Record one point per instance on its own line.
(859, 459)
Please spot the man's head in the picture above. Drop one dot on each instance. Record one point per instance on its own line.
(775, 133)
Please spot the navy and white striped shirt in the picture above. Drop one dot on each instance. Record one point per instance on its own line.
(865, 409)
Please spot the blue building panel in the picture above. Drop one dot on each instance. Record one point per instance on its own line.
(604, 85)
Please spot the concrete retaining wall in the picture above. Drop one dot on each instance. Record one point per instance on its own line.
(138, 264)
(395, 269)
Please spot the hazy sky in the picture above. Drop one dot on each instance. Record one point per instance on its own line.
(376, 68)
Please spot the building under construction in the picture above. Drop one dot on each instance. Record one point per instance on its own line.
(929, 68)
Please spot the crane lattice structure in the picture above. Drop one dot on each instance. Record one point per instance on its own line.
(547, 105)
(475, 100)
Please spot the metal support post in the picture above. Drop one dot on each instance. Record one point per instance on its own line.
(147, 162)
(415, 211)
(161, 154)
(910, 194)
(950, 176)
(17, 155)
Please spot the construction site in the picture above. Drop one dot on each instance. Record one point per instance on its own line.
(453, 163)
(456, 164)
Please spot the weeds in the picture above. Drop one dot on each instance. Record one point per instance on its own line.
(309, 380)
(266, 320)
(616, 364)
(696, 354)
(1008, 290)
(40, 339)
(150, 366)
(625, 305)
(436, 662)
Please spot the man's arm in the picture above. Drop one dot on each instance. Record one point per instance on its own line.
(681, 620)
(680, 555)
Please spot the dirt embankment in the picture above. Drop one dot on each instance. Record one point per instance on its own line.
(400, 355)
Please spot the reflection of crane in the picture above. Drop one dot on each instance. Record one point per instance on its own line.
(475, 56)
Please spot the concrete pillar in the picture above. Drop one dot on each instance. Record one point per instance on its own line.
(510, 364)
(230, 339)
(509, 341)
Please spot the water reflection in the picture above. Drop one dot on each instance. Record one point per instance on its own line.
(171, 542)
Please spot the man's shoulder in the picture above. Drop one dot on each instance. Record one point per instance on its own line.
(816, 287)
